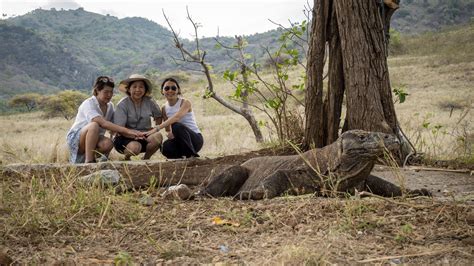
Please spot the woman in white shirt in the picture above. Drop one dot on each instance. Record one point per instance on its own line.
(86, 138)
(184, 137)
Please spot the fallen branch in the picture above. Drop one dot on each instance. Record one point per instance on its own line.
(137, 174)
(368, 194)
(421, 168)
(407, 255)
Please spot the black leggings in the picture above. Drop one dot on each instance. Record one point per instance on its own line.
(186, 143)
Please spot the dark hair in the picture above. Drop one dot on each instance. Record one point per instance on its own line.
(172, 80)
(127, 88)
(101, 82)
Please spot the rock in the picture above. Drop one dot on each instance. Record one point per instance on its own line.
(5, 259)
(181, 192)
(469, 241)
(147, 200)
(105, 177)
(470, 218)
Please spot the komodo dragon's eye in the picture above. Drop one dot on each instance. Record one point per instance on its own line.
(362, 138)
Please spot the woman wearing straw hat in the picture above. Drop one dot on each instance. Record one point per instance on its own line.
(184, 137)
(86, 137)
(134, 112)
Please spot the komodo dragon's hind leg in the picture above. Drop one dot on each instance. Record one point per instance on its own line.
(379, 186)
(226, 183)
(271, 186)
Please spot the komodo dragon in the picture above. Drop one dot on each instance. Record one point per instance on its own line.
(342, 166)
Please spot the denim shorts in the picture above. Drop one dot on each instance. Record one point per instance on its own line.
(72, 140)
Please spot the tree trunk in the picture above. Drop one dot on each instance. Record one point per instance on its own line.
(314, 134)
(369, 98)
(248, 115)
(355, 30)
(336, 83)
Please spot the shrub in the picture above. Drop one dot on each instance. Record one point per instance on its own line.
(64, 104)
(28, 100)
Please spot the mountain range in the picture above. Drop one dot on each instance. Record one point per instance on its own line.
(49, 50)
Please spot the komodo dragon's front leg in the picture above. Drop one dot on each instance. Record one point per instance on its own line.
(226, 183)
(379, 186)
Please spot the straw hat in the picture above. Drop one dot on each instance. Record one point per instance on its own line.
(134, 77)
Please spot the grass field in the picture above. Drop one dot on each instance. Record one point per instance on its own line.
(437, 115)
(58, 220)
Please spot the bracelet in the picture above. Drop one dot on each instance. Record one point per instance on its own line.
(157, 128)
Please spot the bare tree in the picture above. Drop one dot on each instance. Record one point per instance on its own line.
(271, 95)
(198, 57)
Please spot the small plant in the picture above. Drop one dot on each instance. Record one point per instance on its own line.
(400, 93)
(404, 233)
(123, 258)
(395, 45)
(354, 215)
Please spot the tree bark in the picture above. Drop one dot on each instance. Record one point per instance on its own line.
(336, 83)
(314, 133)
(365, 67)
(137, 174)
(355, 30)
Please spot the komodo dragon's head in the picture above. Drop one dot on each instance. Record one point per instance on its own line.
(369, 145)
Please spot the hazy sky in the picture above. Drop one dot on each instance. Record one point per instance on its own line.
(228, 17)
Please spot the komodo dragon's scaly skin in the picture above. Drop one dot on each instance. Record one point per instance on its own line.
(342, 166)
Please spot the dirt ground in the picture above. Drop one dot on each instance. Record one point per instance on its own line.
(284, 230)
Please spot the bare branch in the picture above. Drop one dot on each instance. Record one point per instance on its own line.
(196, 37)
(288, 30)
(175, 36)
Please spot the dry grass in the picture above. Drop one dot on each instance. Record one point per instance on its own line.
(29, 138)
(60, 221)
(439, 131)
(437, 114)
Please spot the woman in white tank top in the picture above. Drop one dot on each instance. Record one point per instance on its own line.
(184, 137)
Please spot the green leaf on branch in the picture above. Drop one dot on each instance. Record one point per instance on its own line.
(400, 93)
(273, 103)
(229, 75)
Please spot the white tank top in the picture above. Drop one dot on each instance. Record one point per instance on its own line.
(188, 119)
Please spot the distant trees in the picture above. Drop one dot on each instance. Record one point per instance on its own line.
(64, 104)
(28, 100)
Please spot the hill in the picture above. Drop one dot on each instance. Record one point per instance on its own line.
(50, 50)
(102, 44)
(418, 16)
(31, 63)
(53, 49)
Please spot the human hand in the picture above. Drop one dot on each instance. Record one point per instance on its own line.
(137, 134)
(151, 131)
(170, 135)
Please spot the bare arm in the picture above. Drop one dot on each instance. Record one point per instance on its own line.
(165, 117)
(116, 128)
(183, 110)
(168, 121)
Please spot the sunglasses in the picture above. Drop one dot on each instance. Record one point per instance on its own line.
(167, 88)
(105, 80)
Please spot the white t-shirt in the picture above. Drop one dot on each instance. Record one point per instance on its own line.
(90, 109)
(188, 119)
